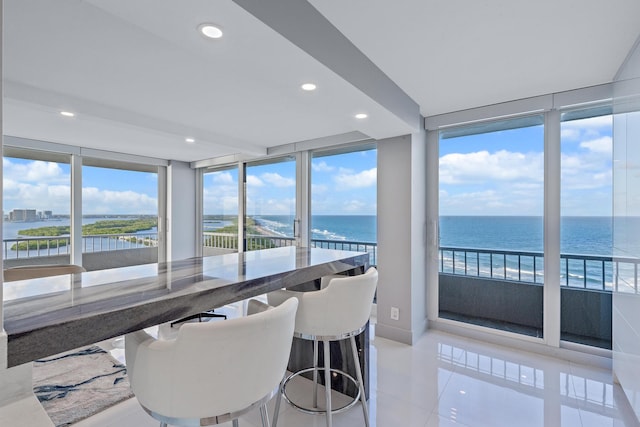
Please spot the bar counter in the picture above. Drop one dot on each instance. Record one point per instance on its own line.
(47, 316)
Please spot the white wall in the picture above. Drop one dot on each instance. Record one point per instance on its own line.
(402, 237)
(626, 189)
(181, 211)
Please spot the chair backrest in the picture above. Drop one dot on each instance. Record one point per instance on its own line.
(36, 271)
(343, 306)
(213, 368)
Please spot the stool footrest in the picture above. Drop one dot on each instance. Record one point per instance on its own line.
(319, 411)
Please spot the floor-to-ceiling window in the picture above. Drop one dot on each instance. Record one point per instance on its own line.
(587, 270)
(270, 204)
(491, 205)
(37, 207)
(344, 199)
(119, 213)
(220, 210)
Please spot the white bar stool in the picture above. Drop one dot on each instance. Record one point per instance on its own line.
(338, 311)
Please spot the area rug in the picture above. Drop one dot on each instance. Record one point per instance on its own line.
(74, 385)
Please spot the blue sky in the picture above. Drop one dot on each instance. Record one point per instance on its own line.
(502, 173)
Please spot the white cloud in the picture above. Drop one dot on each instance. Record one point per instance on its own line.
(278, 180)
(353, 206)
(349, 181)
(602, 145)
(322, 167)
(254, 181)
(96, 201)
(35, 171)
(222, 178)
(457, 168)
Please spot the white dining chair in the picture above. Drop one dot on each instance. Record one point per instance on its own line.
(212, 372)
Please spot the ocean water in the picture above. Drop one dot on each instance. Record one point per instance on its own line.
(578, 235)
(358, 228)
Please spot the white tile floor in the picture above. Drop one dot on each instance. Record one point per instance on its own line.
(444, 380)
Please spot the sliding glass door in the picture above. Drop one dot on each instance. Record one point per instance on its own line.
(270, 204)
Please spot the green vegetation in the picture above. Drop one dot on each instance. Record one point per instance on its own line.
(115, 226)
(255, 243)
(39, 244)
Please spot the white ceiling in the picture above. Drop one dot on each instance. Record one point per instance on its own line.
(141, 79)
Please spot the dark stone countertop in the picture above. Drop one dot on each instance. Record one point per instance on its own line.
(46, 316)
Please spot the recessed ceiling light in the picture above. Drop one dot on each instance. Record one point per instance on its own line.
(67, 114)
(189, 140)
(361, 116)
(308, 86)
(211, 31)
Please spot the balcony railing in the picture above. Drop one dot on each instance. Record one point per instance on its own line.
(370, 247)
(51, 246)
(581, 271)
(255, 241)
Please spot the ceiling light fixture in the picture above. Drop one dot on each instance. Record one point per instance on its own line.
(210, 31)
(189, 140)
(67, 114)
(308, 86)
(361, 116)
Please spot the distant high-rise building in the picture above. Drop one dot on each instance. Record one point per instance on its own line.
(25, 215)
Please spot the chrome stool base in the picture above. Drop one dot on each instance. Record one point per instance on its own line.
(320, 411)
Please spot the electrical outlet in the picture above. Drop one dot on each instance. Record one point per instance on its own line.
(395, 313)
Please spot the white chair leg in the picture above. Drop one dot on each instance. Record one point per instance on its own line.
(363, 399)
(315, 373)
(264, 414)
(234, 423)
(327, 380)
(276, 410)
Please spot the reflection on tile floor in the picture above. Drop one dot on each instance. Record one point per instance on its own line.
(445, 380)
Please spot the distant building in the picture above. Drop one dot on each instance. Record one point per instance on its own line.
(23, 215)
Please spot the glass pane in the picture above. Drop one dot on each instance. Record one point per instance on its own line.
(270, 204)
(119, 216)
(491, 225)
(343, 201)
(586, 230)
(36, 203)
(220, 211)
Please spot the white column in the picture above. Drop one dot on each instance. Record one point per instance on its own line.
(242, 203)
(163, 193)
(181, 211)
(199, 209)
(402, 237)
(303, 198)
(433, 223)
(551, 298)
(76, 210)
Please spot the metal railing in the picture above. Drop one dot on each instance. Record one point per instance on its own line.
(344, 245)
(259, 241)
(44, 246)
(581, 271)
